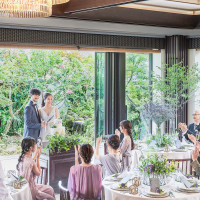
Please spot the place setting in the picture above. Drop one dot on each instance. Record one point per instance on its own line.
(14, 182)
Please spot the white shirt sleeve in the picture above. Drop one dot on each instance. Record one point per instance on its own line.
(4, 193)
(185, 132)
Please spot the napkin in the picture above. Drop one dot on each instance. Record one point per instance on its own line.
(178, 144)
(186, 182)
(152, 143)
(135, 160)
(122, 175)
(126, 179)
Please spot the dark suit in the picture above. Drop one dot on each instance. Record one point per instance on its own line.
(32, 121)
(192, 130)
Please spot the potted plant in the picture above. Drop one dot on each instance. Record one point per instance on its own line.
(59, 143)
(156, 167)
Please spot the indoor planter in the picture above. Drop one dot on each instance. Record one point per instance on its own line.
(59, 157)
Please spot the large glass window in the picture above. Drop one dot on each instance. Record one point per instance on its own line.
(139, 69)
(99, 93)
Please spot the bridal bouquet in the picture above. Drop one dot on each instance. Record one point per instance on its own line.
(157, 165)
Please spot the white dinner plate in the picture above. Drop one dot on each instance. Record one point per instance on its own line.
(156, 195)
(188, 190)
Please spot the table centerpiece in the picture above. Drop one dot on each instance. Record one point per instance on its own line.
(156, 166)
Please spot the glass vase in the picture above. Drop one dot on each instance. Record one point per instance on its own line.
(161, 177)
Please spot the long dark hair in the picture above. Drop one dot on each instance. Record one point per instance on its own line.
(86, 152)
(126, 124)
(27, 142)
(45, 97)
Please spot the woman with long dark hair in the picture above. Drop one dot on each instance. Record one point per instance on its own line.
(127, 143)
(29, 169)
(48, 114)
(85, 179)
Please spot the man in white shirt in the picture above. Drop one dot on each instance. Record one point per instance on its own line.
(4, 193)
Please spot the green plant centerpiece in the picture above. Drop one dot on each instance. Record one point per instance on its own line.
(155, 166)
(57, 142)
(162, 140)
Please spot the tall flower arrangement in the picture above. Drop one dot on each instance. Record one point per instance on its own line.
(158, 112)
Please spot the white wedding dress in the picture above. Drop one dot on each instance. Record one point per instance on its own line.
(47, 119)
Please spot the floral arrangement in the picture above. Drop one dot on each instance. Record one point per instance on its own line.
(122, 185)
(161, 140)
(20, 178)
(115, 175)
(157, 165)
(159, 190)
(159, 112)
(59, 142)
(188, 176)
(195, 184)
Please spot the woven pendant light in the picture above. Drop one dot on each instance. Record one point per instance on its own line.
(25, 8)
(54, 2)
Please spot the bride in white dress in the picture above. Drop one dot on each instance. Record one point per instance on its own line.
(48, 114)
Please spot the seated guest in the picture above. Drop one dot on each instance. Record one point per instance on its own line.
(195, 155)
(111, 162)
(192, 129)
(4, 193)
(29, 169)
(127, 144)
(85, 179)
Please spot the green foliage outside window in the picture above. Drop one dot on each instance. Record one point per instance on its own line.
(69, 76)
(137, 90)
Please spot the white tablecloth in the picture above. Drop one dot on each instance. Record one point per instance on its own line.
(22, 194)
(110, 194)
(174, 155)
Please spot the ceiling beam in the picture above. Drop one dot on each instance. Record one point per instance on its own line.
(188, 1)
(77, 6)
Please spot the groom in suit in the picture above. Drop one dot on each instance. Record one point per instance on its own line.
(32, 121)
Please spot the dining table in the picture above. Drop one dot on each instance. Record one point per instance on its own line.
(21, 194)
(112, 193)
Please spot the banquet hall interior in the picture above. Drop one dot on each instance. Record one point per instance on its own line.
(121, 81)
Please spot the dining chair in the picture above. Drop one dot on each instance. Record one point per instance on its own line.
(183, 164)
(64, 192)
(43, 178)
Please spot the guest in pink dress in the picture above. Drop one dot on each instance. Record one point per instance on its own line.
(85, 180)
(29, 169)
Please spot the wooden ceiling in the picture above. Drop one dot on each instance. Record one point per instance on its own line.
(168, 13)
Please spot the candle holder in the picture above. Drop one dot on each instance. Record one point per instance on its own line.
(17, 184)
(136, 182)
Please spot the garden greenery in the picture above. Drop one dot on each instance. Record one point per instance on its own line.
(68, 75)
